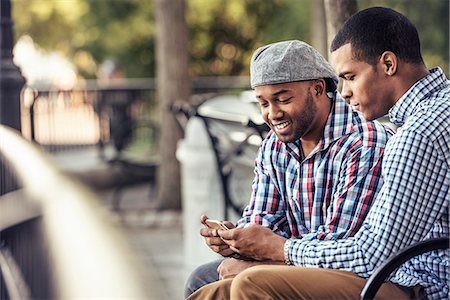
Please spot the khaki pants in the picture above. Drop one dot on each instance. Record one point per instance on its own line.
(287, 282)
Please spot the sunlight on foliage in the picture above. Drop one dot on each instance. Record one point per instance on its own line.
(223, 33)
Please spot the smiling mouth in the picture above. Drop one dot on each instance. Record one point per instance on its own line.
(281, 125)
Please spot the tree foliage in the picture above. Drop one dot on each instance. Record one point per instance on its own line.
(124, 32)
(223, 33)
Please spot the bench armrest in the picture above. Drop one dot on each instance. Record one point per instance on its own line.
(379, 276)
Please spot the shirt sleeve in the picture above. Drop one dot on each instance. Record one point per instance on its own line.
(266, 206)
(416, 189)
(358, 182)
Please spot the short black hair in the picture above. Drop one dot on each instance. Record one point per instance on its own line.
(375, 30)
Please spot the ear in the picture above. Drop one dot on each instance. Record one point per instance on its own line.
(319, 86)
(389, 62)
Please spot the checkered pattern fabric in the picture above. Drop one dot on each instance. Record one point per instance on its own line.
(327, 194)
(413, 204)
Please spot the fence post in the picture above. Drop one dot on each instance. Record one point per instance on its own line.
(11, 80)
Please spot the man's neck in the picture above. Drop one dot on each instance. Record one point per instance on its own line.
(308, 146)
(407, 76)
(310, 140)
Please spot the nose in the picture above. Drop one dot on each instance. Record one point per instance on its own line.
(274, 112)
(346, 92)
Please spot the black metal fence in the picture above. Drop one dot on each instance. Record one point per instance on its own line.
(121, 113)
(94, 113)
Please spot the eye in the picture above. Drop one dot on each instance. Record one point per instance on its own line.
(263, 103)
(284, 99)
(349, 77)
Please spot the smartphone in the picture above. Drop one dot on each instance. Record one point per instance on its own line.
(214, 224)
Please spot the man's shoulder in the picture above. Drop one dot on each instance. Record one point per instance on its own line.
(431, 119)
(372, 133)
(426, 129)
(358, 129)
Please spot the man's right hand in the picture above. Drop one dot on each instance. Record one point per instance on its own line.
(213, 240)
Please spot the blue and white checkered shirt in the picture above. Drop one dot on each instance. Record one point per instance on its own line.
(413, 204)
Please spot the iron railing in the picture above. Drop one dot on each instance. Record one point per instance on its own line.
(102, 112)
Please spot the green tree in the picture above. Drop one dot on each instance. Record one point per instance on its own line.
(52, 24)
(223, 33)
(89, 32)
(123, 31)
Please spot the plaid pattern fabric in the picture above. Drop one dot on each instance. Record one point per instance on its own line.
(327, 194)
(413, 204)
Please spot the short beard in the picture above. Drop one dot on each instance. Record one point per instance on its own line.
(309, 113)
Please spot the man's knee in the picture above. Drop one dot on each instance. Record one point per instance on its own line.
(285, 282)
(202, 275)
(249, 283)
(250, 275)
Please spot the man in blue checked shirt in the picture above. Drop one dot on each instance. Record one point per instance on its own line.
(316, 173)
(377, 54)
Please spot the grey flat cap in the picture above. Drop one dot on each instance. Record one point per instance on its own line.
(288, 61)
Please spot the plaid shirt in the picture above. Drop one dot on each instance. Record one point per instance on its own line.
(413, 203)
(327, 194)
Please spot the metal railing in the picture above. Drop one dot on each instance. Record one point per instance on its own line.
(101, 112)
(56, 241)
(91, 114)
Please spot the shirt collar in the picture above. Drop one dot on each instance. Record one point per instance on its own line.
(420, 91)
(339, 122)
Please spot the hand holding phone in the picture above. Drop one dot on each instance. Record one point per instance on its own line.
(215, 224)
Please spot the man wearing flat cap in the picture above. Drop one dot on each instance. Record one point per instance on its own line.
(316, 174)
